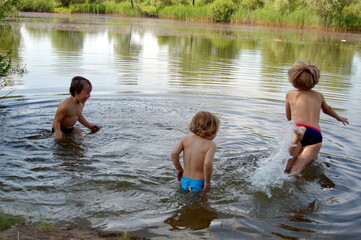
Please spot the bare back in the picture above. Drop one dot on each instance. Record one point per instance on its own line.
(303, 107)
(196, 151)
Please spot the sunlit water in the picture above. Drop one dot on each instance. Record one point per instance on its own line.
(149, 78)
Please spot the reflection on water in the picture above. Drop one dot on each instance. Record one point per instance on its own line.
(166, 54)
(149, 78)
(194, 215)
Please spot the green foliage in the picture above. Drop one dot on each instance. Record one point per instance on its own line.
(78, 1)
(282, 6)
(327, 9)
(344, 14)
(124, 8)
(37, 6)
(251, 4)
(184, 12)
(42, 225)
(7, 220)
(149, 11)
(203, 2)
(65, 3)
(222, 10)
(300, 17)
(7, 68)
(350, 19)
(88, 8)
(8, 8)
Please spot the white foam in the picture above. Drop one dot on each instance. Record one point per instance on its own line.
(269, 173)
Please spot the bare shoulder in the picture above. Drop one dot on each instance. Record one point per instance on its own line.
(291, 93)
(211, 144)
(318, 94)
(65, 104)
(186, 138)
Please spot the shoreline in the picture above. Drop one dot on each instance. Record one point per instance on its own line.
(349, 36)
(74, 232)
(254, 23)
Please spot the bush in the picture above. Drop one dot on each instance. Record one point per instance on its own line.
(184, 12)
(149, 11)
(88, 8)
(7, 68)
(78, 1)
(222, 10)
(8, 8)
(65, 3)
(251, 4)
(37, 6)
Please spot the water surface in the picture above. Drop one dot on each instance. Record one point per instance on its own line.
(149, 77)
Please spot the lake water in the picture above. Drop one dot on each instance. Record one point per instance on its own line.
(149, 77)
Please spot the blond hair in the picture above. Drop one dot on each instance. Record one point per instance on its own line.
(204, 124)
(303, 76)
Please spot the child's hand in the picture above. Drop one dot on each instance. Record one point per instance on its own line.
(179, 174)
(207, 187)
(343, 120)
(94, 128)
(58, 136)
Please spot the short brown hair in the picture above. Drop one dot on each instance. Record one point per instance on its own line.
(77, 85)
(204, 124)
(303, 76)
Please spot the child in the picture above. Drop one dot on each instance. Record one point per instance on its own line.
(198, 153)
(70, 110)
(303, 107)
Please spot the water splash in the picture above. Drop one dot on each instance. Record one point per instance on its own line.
(269, 173)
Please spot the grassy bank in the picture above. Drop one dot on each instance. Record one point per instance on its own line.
(7, 220)
(15, 227)
(342, 15)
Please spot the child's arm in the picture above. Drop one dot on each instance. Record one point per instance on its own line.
(59, 116)
(327, 109)
(288, 108)
(175, 157)
(83, 121)
(208, 167)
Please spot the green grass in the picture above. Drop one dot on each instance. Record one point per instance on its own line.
(184, 12)
(123, 8)
(349, 19)
(297, 18)
(42, 225)
(7, 220)
(37, 6)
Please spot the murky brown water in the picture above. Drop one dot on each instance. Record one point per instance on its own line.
(149, 77)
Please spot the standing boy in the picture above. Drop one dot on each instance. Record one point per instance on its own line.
(303, 106)
(198, 153)
(70, 110)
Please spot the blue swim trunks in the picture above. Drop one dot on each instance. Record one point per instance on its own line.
(312, 135)
(194, 185)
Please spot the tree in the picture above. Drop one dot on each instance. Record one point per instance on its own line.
(7, 68)
(328, 9)
(8, 8)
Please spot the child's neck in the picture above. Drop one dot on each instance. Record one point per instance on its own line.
(75, 99)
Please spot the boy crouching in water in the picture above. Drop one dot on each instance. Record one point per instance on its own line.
(303, 106)
(70, 110)
(198, 153)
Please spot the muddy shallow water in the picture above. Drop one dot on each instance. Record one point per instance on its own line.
(149, 77)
